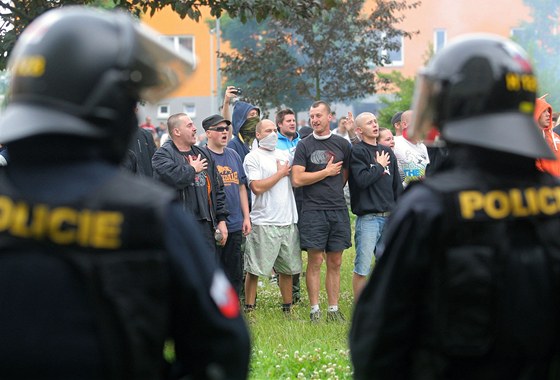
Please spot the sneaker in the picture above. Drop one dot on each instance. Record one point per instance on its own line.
(335, 316)
(249, 311)
(315, 317)
(287, 309)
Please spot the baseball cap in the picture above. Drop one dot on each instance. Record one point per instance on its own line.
(396, 118)
(213, 120)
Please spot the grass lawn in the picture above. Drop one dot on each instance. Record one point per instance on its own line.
(295, 348)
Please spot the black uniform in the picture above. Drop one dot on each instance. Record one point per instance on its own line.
(468, 287)
(98, 267)
(95, 277)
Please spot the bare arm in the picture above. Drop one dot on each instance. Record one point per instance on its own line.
(351, 129)
(225, 108)
(246, 229)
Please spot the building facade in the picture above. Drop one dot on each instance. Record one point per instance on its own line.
(437, 22)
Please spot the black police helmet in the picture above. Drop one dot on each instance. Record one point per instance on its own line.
(79, 71)
(480, 91)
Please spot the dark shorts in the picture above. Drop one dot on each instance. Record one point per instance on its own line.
(327, 230)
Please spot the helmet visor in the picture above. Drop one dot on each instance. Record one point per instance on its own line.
(423, 107)
(159, 69)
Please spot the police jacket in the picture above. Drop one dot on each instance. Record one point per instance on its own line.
(98, 269)
(468, 285)
(171, 168)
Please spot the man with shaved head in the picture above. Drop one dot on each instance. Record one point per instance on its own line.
(374, 188)
(412, 154)
(274, 241)
(190, 170)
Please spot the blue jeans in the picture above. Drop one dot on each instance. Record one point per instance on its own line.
(368, 240)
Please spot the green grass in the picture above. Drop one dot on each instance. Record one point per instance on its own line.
(294, 348)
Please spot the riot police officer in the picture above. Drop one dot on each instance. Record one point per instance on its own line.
(98, 269)
(468, 285)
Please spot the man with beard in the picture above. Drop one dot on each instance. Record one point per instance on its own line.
(288, 137)
(191, 171)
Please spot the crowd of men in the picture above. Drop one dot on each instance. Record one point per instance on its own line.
(285, 191)
(99, 268)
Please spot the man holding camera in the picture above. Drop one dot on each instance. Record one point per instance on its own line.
(243, 122)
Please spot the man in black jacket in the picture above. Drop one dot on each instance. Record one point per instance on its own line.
(190, 170)
(467, 287)
(375, 186)
(138, 159)
(99, 268)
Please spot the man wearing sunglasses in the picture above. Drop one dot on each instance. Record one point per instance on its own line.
(230, 167)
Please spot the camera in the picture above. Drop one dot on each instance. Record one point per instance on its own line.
(237, 91)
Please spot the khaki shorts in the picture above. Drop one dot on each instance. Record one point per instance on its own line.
(275, 247)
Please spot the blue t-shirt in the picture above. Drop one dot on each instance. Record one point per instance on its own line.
(230, 167)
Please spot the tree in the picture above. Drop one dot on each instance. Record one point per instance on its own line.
(541, 39)
(401, 99)
(331, 55)
(17, 14)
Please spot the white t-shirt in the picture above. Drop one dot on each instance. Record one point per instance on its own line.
(412, 159)
(276, 206)
(163, 138)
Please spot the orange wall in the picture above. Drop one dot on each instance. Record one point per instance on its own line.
(457, 17)
(168, 22)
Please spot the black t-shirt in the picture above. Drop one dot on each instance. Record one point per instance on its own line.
(313, 154)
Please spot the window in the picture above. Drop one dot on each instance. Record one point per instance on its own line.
(189, 109)
(178, 42)
(163, 111)
(440, 39)
(395, 55)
